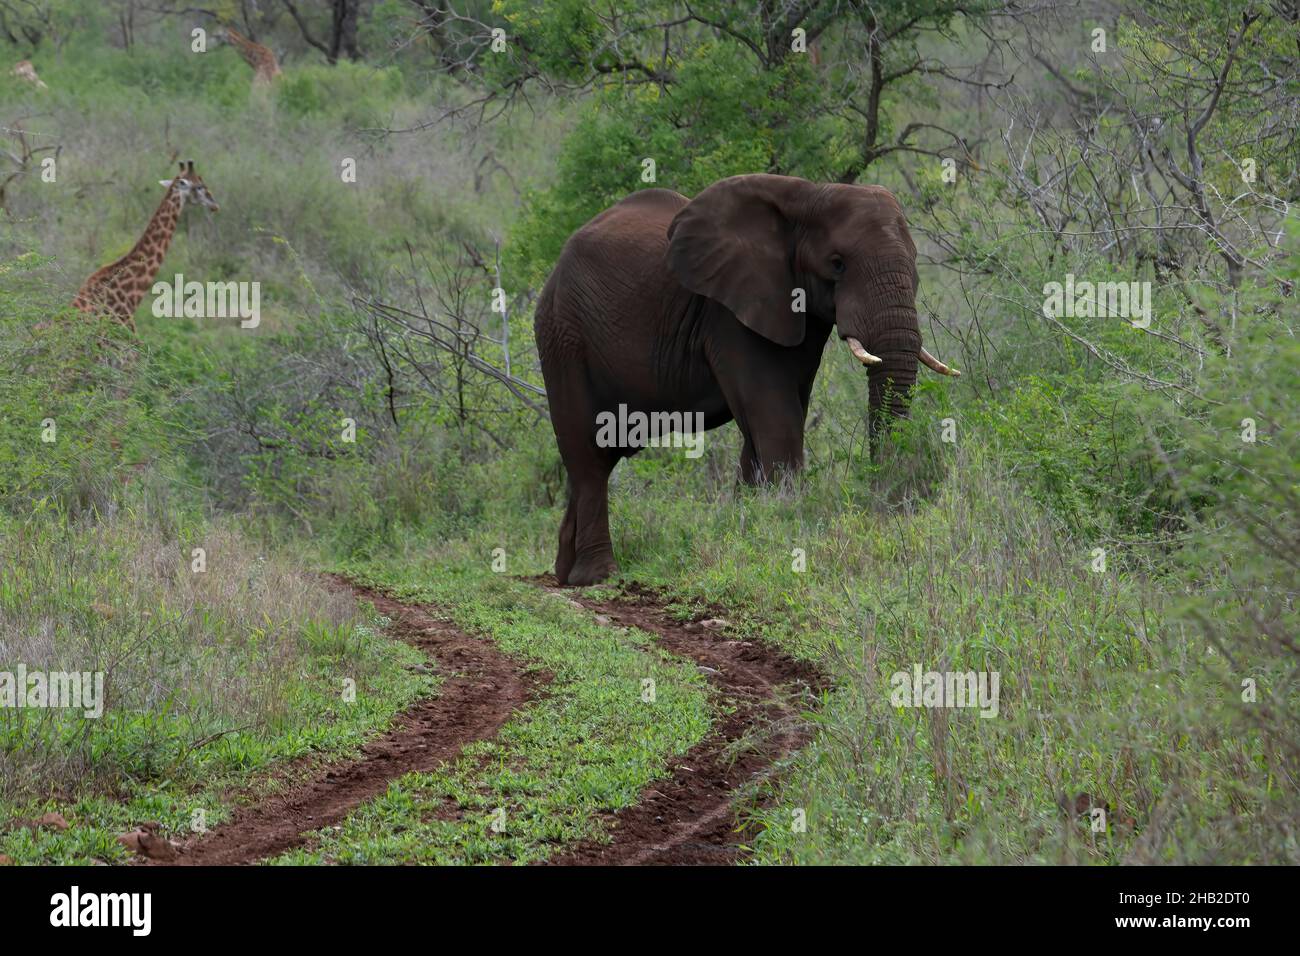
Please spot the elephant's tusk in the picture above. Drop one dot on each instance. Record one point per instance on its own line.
(938, 366)
(861, 354)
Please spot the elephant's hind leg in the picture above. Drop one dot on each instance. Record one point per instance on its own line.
(592, 549)
(585, 554)
(567, 553)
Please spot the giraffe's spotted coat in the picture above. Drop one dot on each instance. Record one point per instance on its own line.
(118, 288)
(261, 58)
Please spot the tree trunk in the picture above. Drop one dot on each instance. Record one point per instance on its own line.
(343, 35)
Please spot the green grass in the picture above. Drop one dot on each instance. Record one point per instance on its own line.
(1104, 689)
(1126, 684)
(587, 745)
(216, 682)
(937, 556)
(215, 678)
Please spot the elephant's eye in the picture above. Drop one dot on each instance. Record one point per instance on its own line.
(837, 265)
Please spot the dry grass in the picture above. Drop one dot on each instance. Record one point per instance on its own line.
(184, 654)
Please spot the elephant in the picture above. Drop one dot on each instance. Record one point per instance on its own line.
(719, 308)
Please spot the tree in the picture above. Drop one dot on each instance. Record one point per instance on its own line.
(342, 29)
(703, 89)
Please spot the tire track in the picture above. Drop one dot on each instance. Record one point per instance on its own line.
(688, 819)
(481, 689)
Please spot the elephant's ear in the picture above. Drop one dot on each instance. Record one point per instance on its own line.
(734, 243)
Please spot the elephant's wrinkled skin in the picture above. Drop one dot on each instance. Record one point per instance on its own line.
(665, 304)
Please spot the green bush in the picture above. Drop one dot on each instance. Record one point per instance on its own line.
(353, 94)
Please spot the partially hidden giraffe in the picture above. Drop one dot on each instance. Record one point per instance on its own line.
(24, 70)
(117, 289)
(261, 58)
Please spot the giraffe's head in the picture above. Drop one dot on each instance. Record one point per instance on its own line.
(191, 188)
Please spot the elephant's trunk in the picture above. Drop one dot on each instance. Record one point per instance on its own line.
(889, 385)
(884, 335)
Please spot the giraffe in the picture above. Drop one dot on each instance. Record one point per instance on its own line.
(261, 58)
(116, 289)
(24, 70)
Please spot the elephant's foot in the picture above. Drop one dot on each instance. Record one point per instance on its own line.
(591, 569)
(567, 553)
(563, 566)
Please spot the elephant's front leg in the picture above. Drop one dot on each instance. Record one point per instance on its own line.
(750, 471)
(773, 428)
(773, 452)
(766, 388)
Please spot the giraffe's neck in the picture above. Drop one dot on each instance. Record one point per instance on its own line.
(259, 57)
(146, 257)
(118, 288)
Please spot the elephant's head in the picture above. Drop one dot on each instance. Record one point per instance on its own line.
(750, 242)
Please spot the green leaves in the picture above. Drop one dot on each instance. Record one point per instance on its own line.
(723, 91)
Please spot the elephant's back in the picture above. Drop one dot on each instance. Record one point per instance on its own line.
(648, 204)
(611, 297)
(632, 226)
(618, 258)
